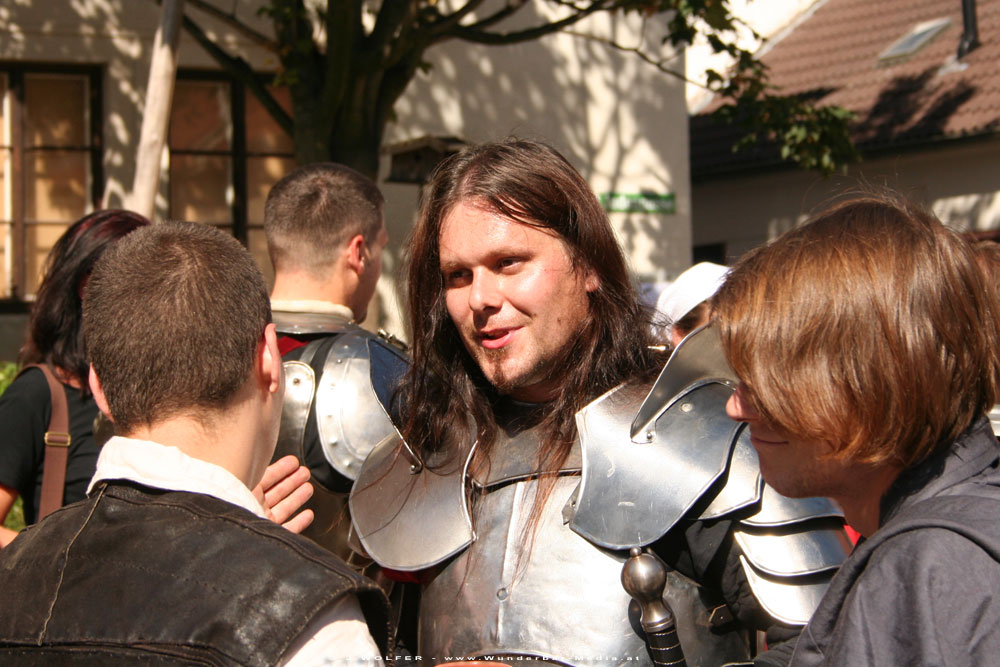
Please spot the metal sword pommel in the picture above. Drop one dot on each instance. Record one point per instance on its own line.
(643, 578)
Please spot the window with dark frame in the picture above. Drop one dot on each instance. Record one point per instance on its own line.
(226, 152)
(50, 165)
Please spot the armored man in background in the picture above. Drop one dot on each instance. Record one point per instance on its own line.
(325, 234)
(538, 451)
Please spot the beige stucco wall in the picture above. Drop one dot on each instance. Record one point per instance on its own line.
(118, 35)
(958, 182)
(621, 122)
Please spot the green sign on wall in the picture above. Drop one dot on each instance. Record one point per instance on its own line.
(643, 202)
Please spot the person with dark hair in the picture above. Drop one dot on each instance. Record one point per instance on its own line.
(536, 452)
(325, 234)
(865, 343)
(55, 340)
(184, 360)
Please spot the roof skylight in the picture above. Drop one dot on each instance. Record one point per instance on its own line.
(916, 39)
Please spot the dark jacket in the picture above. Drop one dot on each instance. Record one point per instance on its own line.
(139, 575)
(924, 589)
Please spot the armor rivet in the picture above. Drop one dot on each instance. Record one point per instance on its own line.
(297, 381)
(687, 407)
(649, 436)
(502, 594)
(414, 468)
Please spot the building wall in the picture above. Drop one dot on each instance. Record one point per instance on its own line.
(619, 121)
(118, 35)
(957, 181)
(622, 123)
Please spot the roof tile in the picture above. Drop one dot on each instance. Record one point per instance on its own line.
(927, 96)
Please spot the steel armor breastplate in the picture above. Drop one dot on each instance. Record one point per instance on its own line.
(645, 459)
(563, 602)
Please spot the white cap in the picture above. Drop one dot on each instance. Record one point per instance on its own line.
(692, 287)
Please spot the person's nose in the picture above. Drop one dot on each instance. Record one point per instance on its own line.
(484, 292)
(738, 407)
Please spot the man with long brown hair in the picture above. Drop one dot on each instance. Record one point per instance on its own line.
(865, 342)
(518, 487)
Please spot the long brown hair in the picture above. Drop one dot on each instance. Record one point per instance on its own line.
(870, 328)
(530, 183)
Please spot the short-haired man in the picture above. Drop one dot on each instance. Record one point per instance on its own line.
(170, 558)
(523, 484)
(865, 342)
(325, 234)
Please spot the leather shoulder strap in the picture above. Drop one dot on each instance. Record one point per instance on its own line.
(57, 441)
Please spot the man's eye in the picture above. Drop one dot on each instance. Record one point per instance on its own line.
(508, 262)
(452, 278)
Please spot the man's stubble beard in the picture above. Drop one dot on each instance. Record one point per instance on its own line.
(541, 370)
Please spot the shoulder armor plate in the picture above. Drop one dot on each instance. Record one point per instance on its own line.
(790, 546)
(356, 386)
(300, 381)
(743, 486)
(696, 360)
(797, 553)
(407, 517)
(791, 601)
(632, 493)
(778, 510)
(640, 478)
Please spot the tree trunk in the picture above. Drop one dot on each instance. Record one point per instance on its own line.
(156, 115)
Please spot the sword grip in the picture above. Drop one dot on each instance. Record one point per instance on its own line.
(643, 577)
(664, 647)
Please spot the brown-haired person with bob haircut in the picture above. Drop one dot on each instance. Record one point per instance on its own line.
(865, 342)
(170, 558)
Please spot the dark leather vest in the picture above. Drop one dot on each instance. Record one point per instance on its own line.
(143, 576)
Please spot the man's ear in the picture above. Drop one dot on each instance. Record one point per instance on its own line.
(357, 253)
(591, 281)
(270, 362)
(98, 392)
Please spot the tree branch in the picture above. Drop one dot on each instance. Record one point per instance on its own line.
(492, 38)
(510, 9)
(446, 22)
(391, 16)
(343, 25)
(661, 64)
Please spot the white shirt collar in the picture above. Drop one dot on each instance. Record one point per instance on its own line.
(168, 468)
(312, 306)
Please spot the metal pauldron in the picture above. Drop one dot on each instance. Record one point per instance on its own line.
(350, 416)
(683, 450)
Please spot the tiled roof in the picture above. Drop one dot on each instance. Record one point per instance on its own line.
(832, 57)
